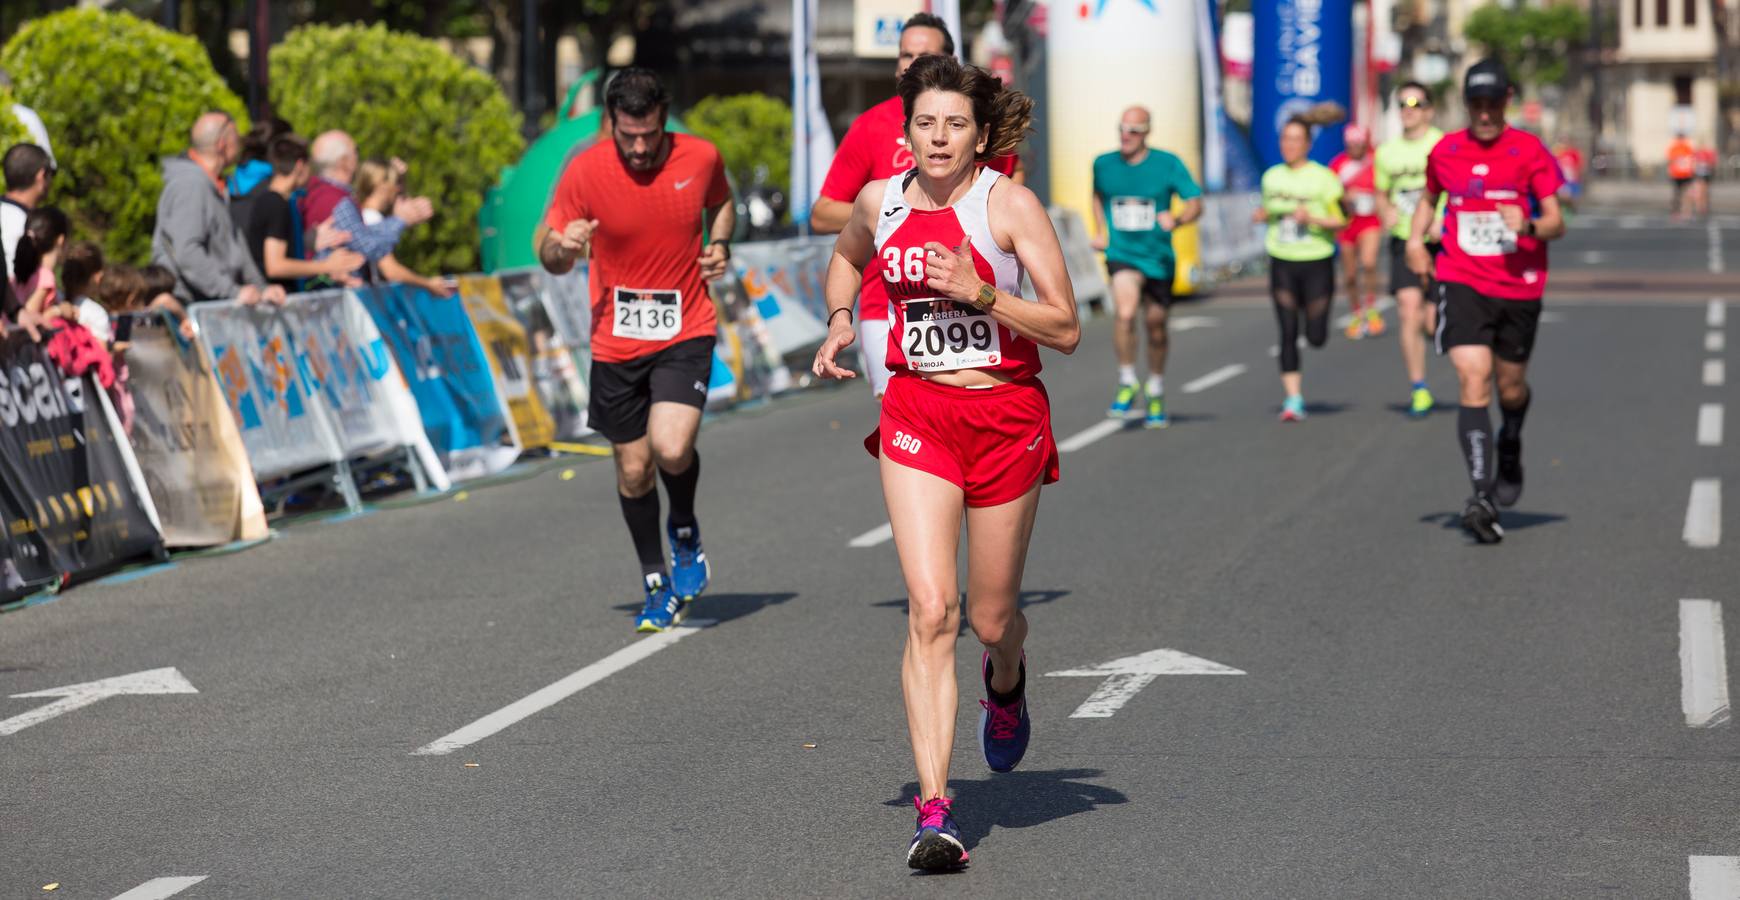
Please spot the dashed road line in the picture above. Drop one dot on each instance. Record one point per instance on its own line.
(159, 888)
(1715, 342)
(1704, 514)
(1714, 877)
(1087, 436)
(1717, 315)
(1710, 425)
(1715, 233)
(877, 535)
(1714, 373)
(1222, 374)
(1703, 664)
(550, 695)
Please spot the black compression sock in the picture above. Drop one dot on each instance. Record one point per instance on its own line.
(1474, 433)
(681, 487)
(1002, 699)
(1511, 429)
(642, 515)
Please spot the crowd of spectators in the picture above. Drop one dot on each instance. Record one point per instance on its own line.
(249, 218)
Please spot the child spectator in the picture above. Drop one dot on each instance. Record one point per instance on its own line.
(378, 186)
(157, 291)
(81, 272)
(37, 256)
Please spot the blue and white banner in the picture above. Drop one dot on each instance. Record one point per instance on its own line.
(812, 144)
(1304, 56)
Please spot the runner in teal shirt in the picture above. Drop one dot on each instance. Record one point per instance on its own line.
(1134, 189)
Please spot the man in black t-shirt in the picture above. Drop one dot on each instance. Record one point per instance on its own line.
(269, 223)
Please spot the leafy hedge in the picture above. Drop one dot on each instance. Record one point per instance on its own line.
(117, 94)
(11, 130)
(752, 131)
(402, 95)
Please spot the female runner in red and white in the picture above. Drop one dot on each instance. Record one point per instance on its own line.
(966, 425)
(1364, 232)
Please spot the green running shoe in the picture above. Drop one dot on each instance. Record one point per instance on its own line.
(1156, 413)
(1122, 401)
(1422, 403)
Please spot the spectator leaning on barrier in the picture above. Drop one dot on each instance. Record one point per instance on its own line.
(36, 258)
(196, 238)
(81, 275)
(157, 291)
(378, 186)
(28, 169)
(270, 223)
(329, 199)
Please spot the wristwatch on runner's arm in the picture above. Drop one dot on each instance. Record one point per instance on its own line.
(987, 296)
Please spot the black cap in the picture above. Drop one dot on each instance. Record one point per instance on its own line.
(1486, 78)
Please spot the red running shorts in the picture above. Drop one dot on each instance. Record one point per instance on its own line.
(993, 443)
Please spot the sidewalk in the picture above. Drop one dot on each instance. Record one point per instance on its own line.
(1652, 196)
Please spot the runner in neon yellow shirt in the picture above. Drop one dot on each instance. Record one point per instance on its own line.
(1401, 178)
(1302, 207)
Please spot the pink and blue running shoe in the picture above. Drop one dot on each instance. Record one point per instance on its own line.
(1003, 730)
(937, 845)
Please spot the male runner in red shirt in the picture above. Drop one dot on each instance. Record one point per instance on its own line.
(636, 206)
(873, 149)
(1503, 186)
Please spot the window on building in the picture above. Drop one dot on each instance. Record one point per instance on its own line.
(1692, 13)
(1637, 13)
(1661, 13)
(1683, 90)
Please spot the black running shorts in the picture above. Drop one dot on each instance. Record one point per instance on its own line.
(1466, 317)
(623, 393)
(1402, 277)
(1154, 290)
(1309, 280)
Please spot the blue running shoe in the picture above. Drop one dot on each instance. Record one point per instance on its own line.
(690, 570)
(937, 844)
(1156, 413)
(1122, 401)
(663, 609)
(1003, 730)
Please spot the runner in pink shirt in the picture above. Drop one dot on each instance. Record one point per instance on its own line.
(1503, 188)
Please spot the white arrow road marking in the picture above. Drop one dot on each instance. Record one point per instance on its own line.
(159, 888)
(1191, 323)
(550, 695)
(1126, 677)
(1704, 514)
(1715, 877)
(76, 696)
(1703, 664)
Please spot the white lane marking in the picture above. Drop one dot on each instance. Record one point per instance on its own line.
(1715, 342)
(1633, 222)
(1714, 373)
(1703, 664)
(550, 695)
(1218, 376)
(877, 535)
(166, 680)
(1591, 257)
(1717, 315)
(1710, 425)
(1715, 233)
(1083, 438)
(158, 888)
(1704, 514)
(1714, 877)
(1126, 677)
(1550, 317)
(1191, 323)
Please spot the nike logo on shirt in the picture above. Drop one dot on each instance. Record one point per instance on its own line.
(684, 183)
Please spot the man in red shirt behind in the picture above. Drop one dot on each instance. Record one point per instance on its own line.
(1503, 187)
(636, 206)
(874, 149)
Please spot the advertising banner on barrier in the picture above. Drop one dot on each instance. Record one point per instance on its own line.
(555, 369)
(509, 355)
(439, 356)
(334, 368)
(254, 356)
(185, 440)
(769, 275)
(67, 496)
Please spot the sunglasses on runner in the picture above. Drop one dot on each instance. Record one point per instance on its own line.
(1413, 102)
(1133, 129)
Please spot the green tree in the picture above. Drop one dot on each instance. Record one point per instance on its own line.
(401, 95)
(116, 94)
(753, 134)
(1536, 43)
(11, 130)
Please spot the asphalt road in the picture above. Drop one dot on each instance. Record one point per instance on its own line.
(1418, 716)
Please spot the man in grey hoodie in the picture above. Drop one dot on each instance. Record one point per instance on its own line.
(196, 238)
